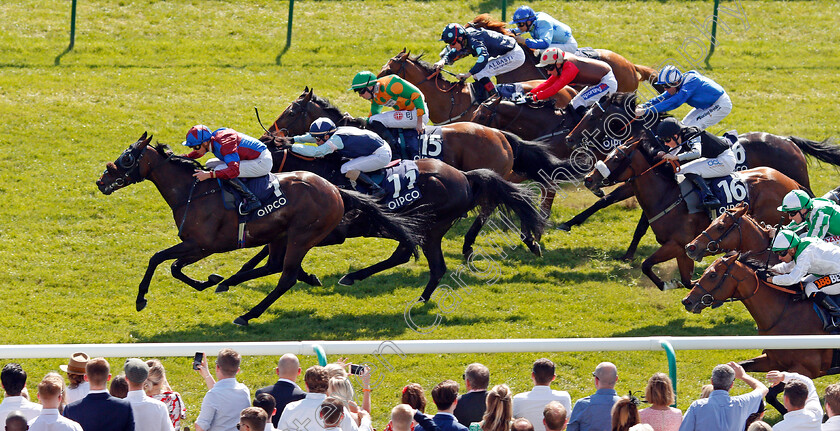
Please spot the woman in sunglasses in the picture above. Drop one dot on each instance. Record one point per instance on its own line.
(709, 100)
(545, 31)
(564, 69)
(497, 53)
(813, 262)
(820, 216)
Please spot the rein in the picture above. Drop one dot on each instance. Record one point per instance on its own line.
(286, 153)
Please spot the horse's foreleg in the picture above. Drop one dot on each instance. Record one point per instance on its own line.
(437, 265)
(400, 256)
(250, 272)
(641, 229)
(175, 252)
(668, 251)
(619, 194)
(686, 267)
(180, 263)
(291, 266)
(472, 232)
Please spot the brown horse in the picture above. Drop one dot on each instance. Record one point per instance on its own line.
(663, 204)
(775, 312)
(313, 209)
(626, 73)
(466, 146)
(451, 101)
(735, 230)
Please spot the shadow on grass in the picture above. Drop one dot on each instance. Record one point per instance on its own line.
(678, 328)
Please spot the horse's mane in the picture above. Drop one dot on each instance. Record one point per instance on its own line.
(182, 161)
(331, 110)
(487, 22)
(428, 68)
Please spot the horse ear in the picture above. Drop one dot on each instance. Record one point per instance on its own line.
(142, 138)
(148, 140)
(404, 50)
(306, 89)
(308, 96)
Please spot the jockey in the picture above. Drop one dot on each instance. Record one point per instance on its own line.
(820, 216)
(709, 100)
(410, 111)
(709, 155)
(545, 31)
(813, 262)
(237, 156)
(564, 68)
(497, 53)
(366, 149)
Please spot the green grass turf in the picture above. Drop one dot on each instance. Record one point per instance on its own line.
(73, 257)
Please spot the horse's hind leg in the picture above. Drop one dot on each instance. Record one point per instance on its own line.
(641, 229)
(472, 233)
(270, 267)
(177, 272)
(175, 252)
(437, 265)
(291, 265)
(400, 256)
(621, 193)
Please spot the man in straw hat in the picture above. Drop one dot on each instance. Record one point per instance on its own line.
(75, 370)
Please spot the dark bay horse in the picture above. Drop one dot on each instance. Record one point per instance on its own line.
(466, 146)
(662, 202)
(451, 101)
(775, 313)
(447, 194)
(735, 231)
(313, 210)
(626, 73)
(613, 119)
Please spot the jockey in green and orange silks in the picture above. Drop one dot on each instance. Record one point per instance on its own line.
(410, 107)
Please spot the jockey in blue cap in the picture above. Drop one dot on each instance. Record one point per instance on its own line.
(368, 151)
(497, 53)
(545, 31)
(709, 100)
(237, 156)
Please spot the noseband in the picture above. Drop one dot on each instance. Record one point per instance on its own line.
(713, 246)
(708, 298)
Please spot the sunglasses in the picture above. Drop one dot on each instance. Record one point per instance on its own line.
(792, 213)
(551, 67)
(238, 425)
(781, 252)
(362, 90)
(522, 24)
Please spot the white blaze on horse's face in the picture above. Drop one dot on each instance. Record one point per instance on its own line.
(602, 168)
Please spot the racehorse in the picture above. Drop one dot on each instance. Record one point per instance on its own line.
(313, 209)
(466, 146)
(613, 119)
(734, 230)
(664, 206)
(446, 195)
(451, 101)
(775, 312)
(626, 73)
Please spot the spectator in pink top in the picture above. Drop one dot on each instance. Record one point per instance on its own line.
(660, 415)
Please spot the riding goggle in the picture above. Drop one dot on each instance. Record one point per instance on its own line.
(792, 213)
(522, 24)
(551, 67)
(781, 252)
(362, 90)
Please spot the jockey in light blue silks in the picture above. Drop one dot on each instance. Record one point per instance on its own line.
(709, 100)
(545, 31)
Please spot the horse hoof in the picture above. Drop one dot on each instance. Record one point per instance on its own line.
(214, 279)
(222, 288)
(467, 254)
(346, 281)
(239, 321)
(626, 258)
(312, 280)
(564, 227)
(535, 248)
(141, 304)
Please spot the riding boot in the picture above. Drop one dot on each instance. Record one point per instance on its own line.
(250, 201)
(706, 194)
(829, 305)
(489, 88)
(375, 191)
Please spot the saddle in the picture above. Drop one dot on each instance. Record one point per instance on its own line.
(588, 52)
(730, 191)
(265, 188)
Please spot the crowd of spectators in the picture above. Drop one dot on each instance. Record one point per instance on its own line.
(140, 398)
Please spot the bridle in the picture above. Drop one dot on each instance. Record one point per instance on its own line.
(708, 298)
(713, 246)
(302, 117)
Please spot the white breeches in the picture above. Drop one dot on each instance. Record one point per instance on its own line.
(378, 160)
(570, 46)
(399, 119)
(593, 93)
(705, 118)
(502, 64)
(247, 168)
(811, 288)
(722, 165)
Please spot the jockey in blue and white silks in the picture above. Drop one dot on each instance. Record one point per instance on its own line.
(709, 100)
(544, 29)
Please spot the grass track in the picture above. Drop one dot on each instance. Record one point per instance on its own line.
(73, 257)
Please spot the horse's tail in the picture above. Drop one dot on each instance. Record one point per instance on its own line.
(485, 21)
(534, 160)
(824, 151)
(403, 227)
(648, 74)
(490, 191)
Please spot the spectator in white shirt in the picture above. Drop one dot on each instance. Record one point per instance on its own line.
(49, 393)
(530, 405)
(223, 403)
(75, 370)
(303, 415)
(832, 408)
(149, 413)
(801, 399)
(13, 379)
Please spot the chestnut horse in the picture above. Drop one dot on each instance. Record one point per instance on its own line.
(663, 204)
(451, 101)
(735, 230)
(626, 73)
(314, 208)
(775, 312)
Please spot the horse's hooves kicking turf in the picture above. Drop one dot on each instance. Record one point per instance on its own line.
(346, 281)
(239, 321)
(222, 288)
(141, 305)
(214, 279)
(312, 280)
(564, 227)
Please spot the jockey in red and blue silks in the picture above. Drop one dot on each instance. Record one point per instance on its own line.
(544, 29)
(237, 156)
(709, 100)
